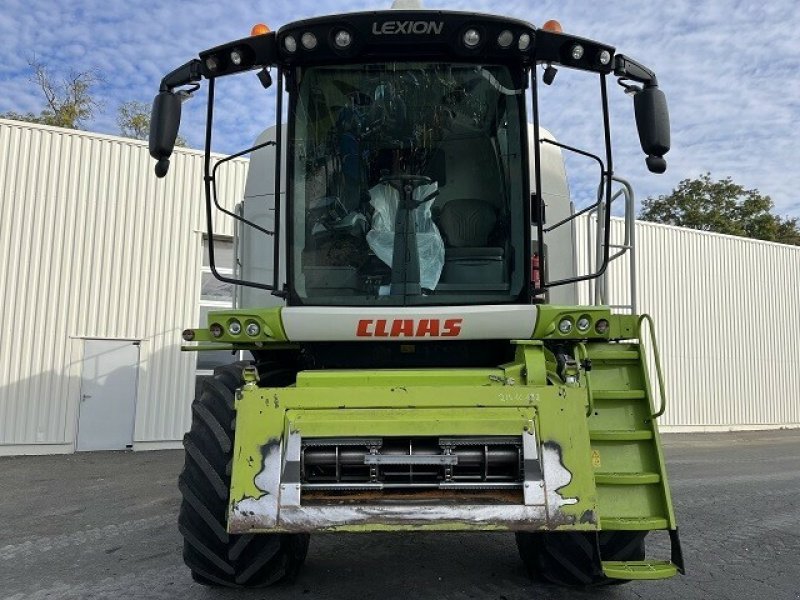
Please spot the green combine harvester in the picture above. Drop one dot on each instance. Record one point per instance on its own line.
(407, 287)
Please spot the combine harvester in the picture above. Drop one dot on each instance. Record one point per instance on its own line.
(409, 299)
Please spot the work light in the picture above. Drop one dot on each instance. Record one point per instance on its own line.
(309, 40)
(342, 39)
(234, 327)
(505, 39)
(472, 38)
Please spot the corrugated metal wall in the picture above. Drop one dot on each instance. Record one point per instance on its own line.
(94, 246)
(727, 312)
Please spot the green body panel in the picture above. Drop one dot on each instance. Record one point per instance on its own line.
(266, 414)
(600, 420)
(268, 319)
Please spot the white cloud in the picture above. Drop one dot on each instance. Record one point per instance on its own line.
(729, 69)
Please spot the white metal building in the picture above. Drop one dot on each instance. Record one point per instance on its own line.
(103, 267)
(101, 270)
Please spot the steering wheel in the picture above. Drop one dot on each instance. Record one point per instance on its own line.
(408, 183)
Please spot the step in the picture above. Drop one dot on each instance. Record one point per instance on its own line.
(619, 394)
(639, 569)
(620, 435)
(626, 478)
(606, 355)
(633, 523)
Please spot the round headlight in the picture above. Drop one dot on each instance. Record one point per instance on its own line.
(216, 330)
(601, 327)
(577, 52)
(472, 38)
(252, 329)
(236, 57)
(342, 39)
(565, 326)
(505, 39)
(188, 334)
(212, 63)
(583, 323)
(234, 327)
(290, 43)
(524, 41)
(309, 40)
(605, 57)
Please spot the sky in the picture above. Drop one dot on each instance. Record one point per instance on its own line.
(730, 70)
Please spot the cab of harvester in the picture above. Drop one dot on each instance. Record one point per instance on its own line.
(407, 276)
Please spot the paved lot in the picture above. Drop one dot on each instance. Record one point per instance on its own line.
(102, 525)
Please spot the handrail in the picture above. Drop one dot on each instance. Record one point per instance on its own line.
(657, 358)
(598, 289)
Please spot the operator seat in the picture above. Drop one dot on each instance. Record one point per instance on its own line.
(466, 225)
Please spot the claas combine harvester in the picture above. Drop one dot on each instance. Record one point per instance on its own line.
(407, 288)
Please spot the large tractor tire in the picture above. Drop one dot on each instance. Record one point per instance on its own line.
(214, 556)
(571, 558)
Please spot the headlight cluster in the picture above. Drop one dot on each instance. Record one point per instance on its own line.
(234, 328)
(341, 39)
(582, 325)
(239, 57)
(473, 38)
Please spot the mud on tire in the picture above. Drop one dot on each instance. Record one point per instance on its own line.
(214, 556)
(571, 558)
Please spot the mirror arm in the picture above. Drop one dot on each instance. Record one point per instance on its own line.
(626, 67)
(190, 72)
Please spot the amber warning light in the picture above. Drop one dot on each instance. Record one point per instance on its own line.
(259, 29)
(553, 26)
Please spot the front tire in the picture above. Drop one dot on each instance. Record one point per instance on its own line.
(572, 559)
(214, 556)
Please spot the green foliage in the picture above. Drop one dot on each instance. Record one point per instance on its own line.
(133, 119)
(71, 103)
(723, 207)
(68, 104)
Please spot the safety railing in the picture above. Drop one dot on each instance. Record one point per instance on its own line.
(599, 288)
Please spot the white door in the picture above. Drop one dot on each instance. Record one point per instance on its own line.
(108, 395)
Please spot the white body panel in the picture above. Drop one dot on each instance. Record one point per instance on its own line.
(560, 243)
(254, 249)
(346, 323)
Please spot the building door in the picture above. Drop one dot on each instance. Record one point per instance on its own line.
(108, 395)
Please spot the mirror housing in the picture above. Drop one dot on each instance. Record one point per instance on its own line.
(652, 123)
(165, 119)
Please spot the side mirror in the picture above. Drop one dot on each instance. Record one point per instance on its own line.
(652, 122)
(164, 122)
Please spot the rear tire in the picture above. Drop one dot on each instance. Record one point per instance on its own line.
(571, 559)
(214, 556)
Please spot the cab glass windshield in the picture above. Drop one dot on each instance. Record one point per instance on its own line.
(406, 184)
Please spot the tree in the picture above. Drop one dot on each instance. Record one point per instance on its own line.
(133, 119)
(723, 207)
(68, 104)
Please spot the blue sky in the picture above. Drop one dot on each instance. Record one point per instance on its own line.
(730, 69)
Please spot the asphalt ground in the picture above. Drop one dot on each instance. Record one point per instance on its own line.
(103, 525)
